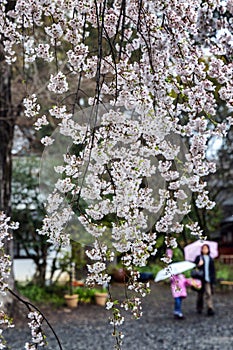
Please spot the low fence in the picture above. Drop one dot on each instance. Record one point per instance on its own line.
(226, 259)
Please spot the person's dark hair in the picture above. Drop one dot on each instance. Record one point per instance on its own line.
(205, 245)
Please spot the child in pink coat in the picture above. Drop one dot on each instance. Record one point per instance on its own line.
(179, 292)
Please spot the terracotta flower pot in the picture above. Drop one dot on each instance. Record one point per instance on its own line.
(101, 298)
(71, 300)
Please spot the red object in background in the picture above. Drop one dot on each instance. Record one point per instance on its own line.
(77, 283)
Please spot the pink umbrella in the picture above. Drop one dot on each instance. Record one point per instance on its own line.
(194, 249)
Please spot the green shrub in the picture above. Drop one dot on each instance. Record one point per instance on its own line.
(86, 295)
(223, 271)
(54, 294)
(51, 295)
(32, 292)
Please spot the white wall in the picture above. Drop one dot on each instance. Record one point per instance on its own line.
(23, 269)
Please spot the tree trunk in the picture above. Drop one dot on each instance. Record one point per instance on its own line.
(39, 278)
(41, 266)
(7, 123)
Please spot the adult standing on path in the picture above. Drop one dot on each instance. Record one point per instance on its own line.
(205, 263)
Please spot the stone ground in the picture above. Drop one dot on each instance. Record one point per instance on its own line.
(87, 327)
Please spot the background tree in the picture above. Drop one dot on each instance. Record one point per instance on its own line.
(28, 209)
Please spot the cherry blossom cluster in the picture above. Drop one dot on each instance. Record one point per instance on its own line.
(5, 263)
(159, 69)
(5, 269)
(38, 338)
(5, 322)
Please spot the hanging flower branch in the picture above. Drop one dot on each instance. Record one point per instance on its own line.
(35, 315)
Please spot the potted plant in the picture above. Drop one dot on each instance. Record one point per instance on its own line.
(86, 295)
(71, 298)
(101, 296)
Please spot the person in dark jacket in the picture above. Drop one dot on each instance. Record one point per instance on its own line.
(205, 263)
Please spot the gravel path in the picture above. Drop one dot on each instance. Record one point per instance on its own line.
(87, 328)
